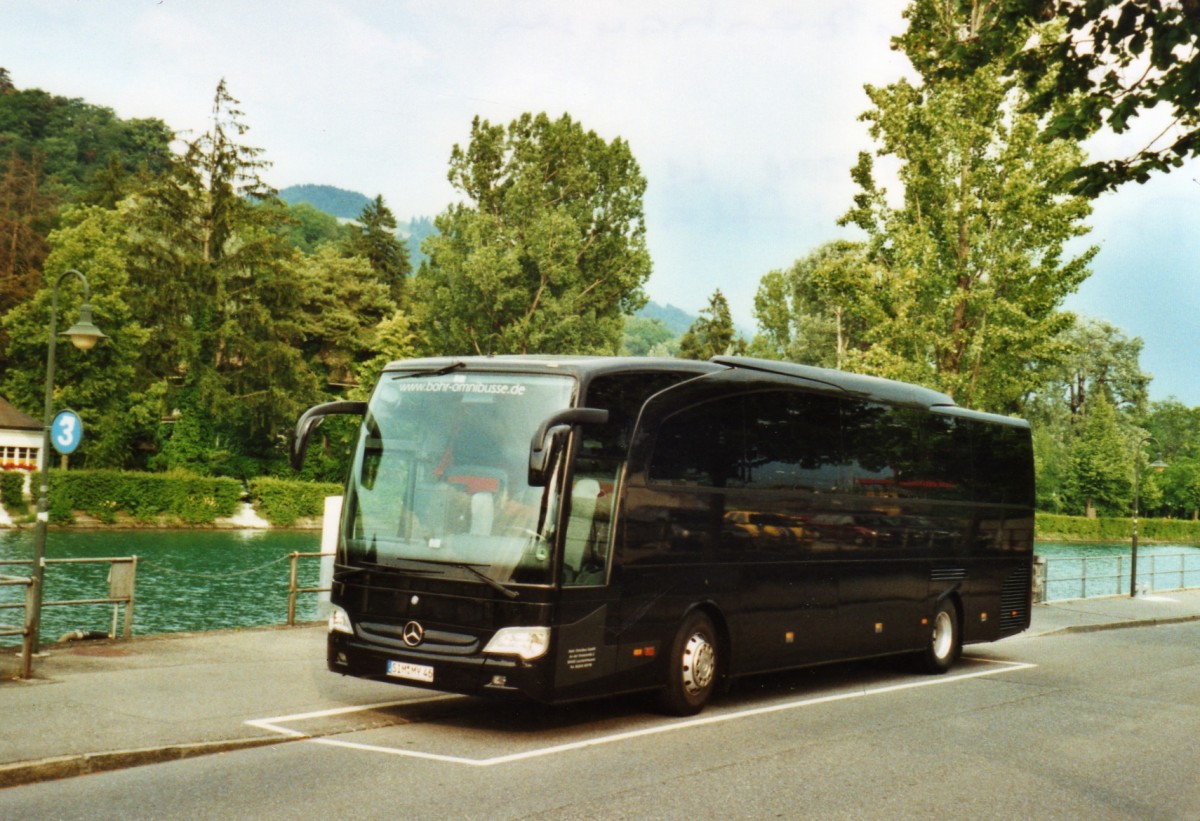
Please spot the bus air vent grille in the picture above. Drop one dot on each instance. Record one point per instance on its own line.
(1014, 602)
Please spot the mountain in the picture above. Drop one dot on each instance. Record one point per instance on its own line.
(677, 320)
(336, 202)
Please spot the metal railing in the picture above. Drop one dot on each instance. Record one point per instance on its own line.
(122, 581)
(1081, 577)
(294, 588)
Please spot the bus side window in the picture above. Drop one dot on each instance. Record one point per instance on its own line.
(793, 442)
(702, 446)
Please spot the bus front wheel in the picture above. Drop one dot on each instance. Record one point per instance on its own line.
(692, 667)
(945, 643)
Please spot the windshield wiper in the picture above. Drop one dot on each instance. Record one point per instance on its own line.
(485, 578)
(442, 371)
(342, 571)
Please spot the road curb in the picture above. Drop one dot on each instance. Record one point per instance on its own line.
(1117, 625)
(69, 766)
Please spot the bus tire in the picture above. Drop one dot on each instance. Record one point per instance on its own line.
(692, 667)
(945, 639)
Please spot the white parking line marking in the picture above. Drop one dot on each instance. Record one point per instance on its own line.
(274, 724)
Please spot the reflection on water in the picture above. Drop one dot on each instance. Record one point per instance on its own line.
(187, 580)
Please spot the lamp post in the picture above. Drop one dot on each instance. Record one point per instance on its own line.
(1158, 465)
(84, 335)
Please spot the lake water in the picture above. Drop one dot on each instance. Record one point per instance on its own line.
(192, 580)
(187, 580)
(1075, 571)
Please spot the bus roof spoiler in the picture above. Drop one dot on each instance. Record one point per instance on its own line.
(312, 417)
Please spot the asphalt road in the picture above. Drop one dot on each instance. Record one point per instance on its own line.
(1098, 725)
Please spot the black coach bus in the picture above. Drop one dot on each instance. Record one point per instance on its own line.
(560, 528)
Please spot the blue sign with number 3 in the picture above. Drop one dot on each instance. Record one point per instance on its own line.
(67, 432)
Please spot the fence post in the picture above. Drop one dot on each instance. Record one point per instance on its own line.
(27, 641)
(293, 584)
(1039, 579)
(127, 627)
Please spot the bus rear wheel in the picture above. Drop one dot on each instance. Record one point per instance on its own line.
(692, 667)
(945, 642)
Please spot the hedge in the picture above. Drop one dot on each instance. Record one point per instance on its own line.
(1053, 527)
(282, 502)
(11, 484)
(146, 497)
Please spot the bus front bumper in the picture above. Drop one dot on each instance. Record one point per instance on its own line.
(476, 675)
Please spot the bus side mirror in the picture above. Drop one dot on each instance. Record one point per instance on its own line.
(542, 446)
(312, 417)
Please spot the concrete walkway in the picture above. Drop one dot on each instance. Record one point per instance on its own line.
(107, 705)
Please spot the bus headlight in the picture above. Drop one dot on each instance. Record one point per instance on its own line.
(527, 642)
(339, 621)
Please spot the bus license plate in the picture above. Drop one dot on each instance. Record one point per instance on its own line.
(413, 672)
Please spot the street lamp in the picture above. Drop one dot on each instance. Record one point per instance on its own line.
(84, 335)
(1158, 465)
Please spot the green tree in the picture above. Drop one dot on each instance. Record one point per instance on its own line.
(1108, 62)
(712, 334)
(374, 239)
(209, 264)
(343, 306)
(118, 401)
(549, 254)
(307, 228)
(1100, 470)
(27, 213)
(974, 261)
(1094, 356)
(820, 309)
(642, 335)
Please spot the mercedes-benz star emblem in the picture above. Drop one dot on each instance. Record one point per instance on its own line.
(413, 634)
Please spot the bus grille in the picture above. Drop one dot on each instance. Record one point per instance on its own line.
(1014, 602)
(948, 574)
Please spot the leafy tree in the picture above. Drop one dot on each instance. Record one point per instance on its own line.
(343, 305)
(1176, 428)
(75, 140)
(307, 228)
(642, 335)
(1099, 473)
(820, 308)
(1180, 483)
(118, 401)
(374, 239)
(1108, 62)
(973, 262)
(27, 213)
(1095, 357)
(209, 264)
(549, 253)
(712, 334)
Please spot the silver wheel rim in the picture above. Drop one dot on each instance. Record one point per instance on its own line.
(699, 664)
(943, 635)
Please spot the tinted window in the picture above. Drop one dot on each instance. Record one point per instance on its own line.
(701, 445)
(1003, 464)
(942, 467)
(879, 441)
(793, 442)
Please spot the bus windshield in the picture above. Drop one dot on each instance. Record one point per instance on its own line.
(439, 480)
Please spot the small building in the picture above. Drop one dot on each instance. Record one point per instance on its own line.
(20, 440)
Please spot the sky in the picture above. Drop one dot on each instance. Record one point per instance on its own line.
(743, 116)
